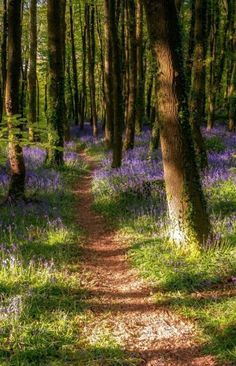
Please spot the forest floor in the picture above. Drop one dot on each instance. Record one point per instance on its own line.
(121, 303)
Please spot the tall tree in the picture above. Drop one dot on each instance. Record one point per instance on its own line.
(214, 20)
(3, 57)
(187, 209)
(32, 77)
(91, 61)
(231, 87)
(108, 77)
(117, 88)
(132, 97)
(197, 97)
(74, 66)
(56, 97)
(140, 68)
(16, 159)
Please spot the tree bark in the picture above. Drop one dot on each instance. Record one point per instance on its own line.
(140, 69)
(56, 97)
(189, 222)
(197, 96)
(91, 62)
(32, 77)
(4, 56)
(213, 69)
(74, 67)
(16, 159)
(108, 77)
(117, 88)
(131, 115)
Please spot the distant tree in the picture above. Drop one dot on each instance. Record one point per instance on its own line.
(186, 203)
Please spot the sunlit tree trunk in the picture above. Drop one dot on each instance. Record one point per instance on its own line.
(189, 221)
(16, 159)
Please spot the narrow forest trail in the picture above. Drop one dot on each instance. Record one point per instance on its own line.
(121, 301)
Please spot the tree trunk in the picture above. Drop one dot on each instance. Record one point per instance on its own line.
(16, 159)
(4, 56)
(117, 88)
(232, 67)
(140, 69)
(131, 116)
(108, 77)
(178, 4)
(91, 61)
(83, 30)
(149, 97)
(32, 77)
(56, 97)
(187, 209)
(74, 67)
(197, 97)
(189, 62)
(213, 77)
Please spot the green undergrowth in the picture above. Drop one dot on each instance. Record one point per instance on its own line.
(43, 307)
(97, 152)
(198, 284)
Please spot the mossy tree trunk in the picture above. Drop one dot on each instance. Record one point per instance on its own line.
(189, 221)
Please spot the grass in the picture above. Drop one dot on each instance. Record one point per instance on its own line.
(43, 307)
(198, 284)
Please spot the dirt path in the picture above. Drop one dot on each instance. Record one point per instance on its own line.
(118, 297)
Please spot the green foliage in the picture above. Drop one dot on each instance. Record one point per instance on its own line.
(222, 198)
(215, 144)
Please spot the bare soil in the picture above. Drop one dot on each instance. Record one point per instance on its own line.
(122, 302)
